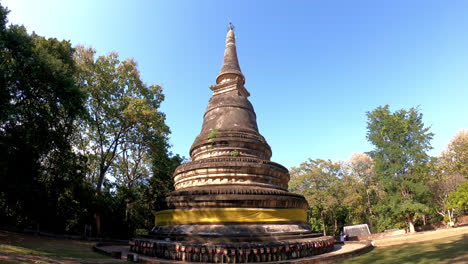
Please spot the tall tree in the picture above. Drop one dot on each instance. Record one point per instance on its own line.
(441, 185)
(318, 181)
(401, 141)
(124, 125)
(39, 101)
(447, 172)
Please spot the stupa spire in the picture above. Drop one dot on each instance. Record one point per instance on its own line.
(230, 69)
(231, 200)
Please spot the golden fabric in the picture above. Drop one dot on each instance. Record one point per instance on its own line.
(228, 215)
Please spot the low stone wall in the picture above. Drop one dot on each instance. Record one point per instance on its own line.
(117, 254)
(331, 257)
(232, 253)
(378, 235)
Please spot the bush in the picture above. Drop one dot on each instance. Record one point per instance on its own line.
(141, 232)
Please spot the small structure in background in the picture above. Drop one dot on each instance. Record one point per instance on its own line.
(356, 230)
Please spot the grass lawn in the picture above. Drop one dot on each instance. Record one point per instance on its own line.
(16, 261)
(28, 246)
(43, 246)
(453, 249)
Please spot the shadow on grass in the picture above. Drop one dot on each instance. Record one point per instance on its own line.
(23, 244)
(448, 249)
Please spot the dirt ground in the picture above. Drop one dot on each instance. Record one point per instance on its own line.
(340, 249)
(420, 236)
(19, 258)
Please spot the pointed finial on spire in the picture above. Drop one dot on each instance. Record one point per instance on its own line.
(230, 68)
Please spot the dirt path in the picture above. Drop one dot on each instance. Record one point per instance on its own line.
(47, 259)
(420, 236)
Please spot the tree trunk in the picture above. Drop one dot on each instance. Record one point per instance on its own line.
(335, 227)
(450, 214)
(370, 209)
(411, 224)
(322, 215)
(126, 211)
(368, 202)
(97, 194)
(97, 222)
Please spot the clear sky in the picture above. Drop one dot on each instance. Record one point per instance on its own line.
(313, 68)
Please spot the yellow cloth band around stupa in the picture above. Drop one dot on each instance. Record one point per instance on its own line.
(228, 215)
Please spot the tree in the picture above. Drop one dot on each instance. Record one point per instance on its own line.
(454, 160)
(401, 141)
(318, 181)
(150, 195)
(40, 175)
(447, 172)
(124, 127)
(361, 167)
(441, 184)
(349, 207)
(459, 199)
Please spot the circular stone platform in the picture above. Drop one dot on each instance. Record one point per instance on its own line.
(340, 251)
(228, 251)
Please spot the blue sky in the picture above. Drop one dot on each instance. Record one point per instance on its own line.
(313, 68)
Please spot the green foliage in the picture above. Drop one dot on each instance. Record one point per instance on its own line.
(235, 153)
(319, 182)
(442, 180)
(401, 141)
(213, 133)
(396, 188)
(314, 219)
(124, 134)
(447, 172)
(368, 191)
(53, 97)
(459, 199)
(454, 160)
(140, 232)
(125, 209)
(124, 124)
(436, 219)
(41, 178)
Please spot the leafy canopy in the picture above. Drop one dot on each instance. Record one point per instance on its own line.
(124, 125)
(40, 176)
(459, 199)
(401, 141)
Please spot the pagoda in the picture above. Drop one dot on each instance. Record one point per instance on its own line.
(231, 204)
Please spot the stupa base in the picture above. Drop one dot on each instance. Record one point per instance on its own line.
(234, 252)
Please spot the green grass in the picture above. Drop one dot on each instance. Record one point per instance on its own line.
(15, 261)
(453, 249)
(42, 246)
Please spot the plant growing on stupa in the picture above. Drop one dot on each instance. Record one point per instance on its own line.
(213, 133)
